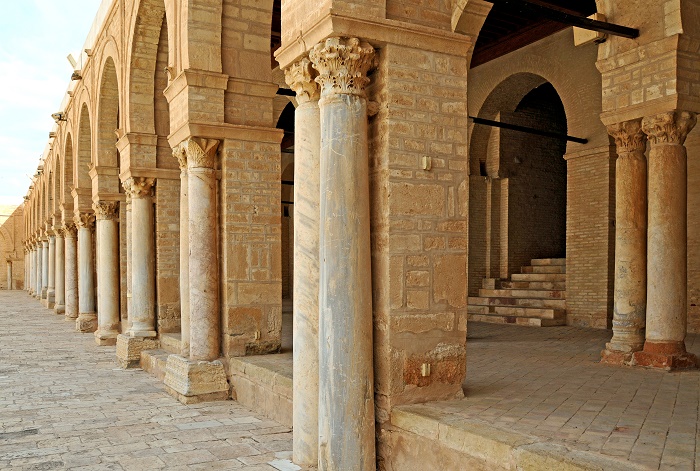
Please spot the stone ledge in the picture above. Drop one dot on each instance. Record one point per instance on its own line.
(420, 427)
(129, 349)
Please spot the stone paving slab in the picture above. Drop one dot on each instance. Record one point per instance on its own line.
(549, 383)
(64, 404)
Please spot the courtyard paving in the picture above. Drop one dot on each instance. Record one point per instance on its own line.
(64, 404)
(548, 383)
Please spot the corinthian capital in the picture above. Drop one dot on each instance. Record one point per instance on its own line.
(70, 230)
(106, 210)
(669, 128)
(138, 187)
(84, 220)
(200, 153)
(342, 65)
(301, 77)
(180, 153)
(629, 137)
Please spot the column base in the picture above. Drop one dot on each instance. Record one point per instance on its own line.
(86, 322)
(44, 292)
(106, 338)
(129, 349)
(70, 317)
(191, 381)
(665, 355)
(614, 357)
(59, 308)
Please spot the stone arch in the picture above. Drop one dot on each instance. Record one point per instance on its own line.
(52, 191)
(83, 156)
(150, 22)
(108, 116)
(67, 169)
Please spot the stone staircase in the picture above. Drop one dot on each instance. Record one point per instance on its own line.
(154, 361)
(535, 297)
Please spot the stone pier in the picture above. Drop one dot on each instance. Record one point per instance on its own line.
(60, 306)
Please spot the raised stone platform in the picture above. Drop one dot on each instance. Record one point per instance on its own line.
(428, 439)
(264, 384)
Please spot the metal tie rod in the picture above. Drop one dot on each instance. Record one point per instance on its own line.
(539, 132)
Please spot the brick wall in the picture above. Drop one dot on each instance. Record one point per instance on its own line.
(419, 222)
(11, 248)
(251, 295)
(167, 228)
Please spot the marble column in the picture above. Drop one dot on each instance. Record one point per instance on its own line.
(667, 239)
(129, 261)
(71, 271)
(201, 376)
(629, 313)
(87, 317)
(45, 267)
(31, 269)
(60, 306)
(37, 269)
(9, 275)
(142, 318)
(107, 232)
(205, 318)
(51, 289)
(346, 375)
(181, 156)
(307, 147)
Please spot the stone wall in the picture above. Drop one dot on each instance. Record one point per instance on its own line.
(167, 224)
(12, 248)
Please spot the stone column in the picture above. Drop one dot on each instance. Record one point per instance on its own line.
(629, 314)
(143, 284)
(37, 271)
(31, 270)
(141, 334)
(181, 155)
(60, 306)
(129, 261)
(51, 289)
(107, 231)
(667, 239)
(87, 317)
(71, 269)
(201, 376)
(307, 147)
(346, 376)
(9, 275)
(45, 268)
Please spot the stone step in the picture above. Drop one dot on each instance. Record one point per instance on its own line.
(522, 293)
(170, 342)
(548, 261)
(540, 285)
(524, 321)
(542, 313)
(538, 277)
(517, 302)
(154, 362)
(544, 269)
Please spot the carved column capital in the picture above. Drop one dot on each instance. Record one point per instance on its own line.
(200, 153)
(669, 128)
(180, 153)
(138, 187)
(70, 230)
(629, 138)
(342, 65)
(106, 210)
(301, 77)
(84, 220)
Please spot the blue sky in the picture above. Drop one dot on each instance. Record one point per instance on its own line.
(35, 38)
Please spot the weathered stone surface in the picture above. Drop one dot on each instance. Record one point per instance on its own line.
(192, 381)
(129, 349)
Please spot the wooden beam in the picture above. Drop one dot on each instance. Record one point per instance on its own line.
(560, 15)
(528, 130)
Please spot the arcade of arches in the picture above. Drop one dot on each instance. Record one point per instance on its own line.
(221, 168)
